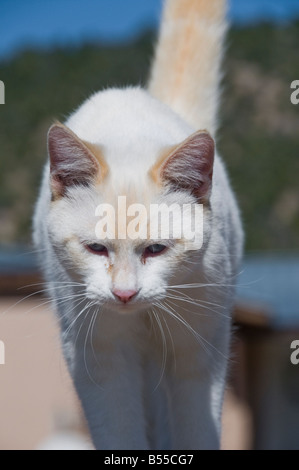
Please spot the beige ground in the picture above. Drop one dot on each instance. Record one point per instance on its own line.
(36, 395)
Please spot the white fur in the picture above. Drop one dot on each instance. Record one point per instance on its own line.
(145, 382)
(186, 70)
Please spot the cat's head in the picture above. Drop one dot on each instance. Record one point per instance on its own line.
(105, 204)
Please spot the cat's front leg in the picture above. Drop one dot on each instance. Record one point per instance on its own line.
(194, 424)
(108, 378)
(196, 386)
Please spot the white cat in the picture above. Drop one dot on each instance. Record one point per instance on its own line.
(146, 323)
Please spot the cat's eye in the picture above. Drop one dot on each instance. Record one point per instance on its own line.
(97, 249)
(154, 250)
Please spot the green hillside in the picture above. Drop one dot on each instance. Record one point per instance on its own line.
(258, 138)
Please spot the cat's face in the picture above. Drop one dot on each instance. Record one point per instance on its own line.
(104, 229)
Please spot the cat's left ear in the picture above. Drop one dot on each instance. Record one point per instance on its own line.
(188, 166)
(72, 161)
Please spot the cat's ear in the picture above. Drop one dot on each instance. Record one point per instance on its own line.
(189, 166)
(72, 161)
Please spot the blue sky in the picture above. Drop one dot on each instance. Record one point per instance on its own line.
(45, 23)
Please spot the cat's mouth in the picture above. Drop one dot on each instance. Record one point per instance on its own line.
(131, 307)
(127, 301)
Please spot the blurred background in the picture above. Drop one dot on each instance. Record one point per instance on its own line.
(53, 55)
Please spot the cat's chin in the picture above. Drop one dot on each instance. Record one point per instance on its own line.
(130, 308)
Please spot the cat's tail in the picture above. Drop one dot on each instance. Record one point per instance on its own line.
(186, 69)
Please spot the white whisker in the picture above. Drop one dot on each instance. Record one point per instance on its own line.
(91, 339)
(199, 303)
(164, 348)
(84, 348)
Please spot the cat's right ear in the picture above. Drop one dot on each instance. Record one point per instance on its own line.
(188, 166)
(72, 161)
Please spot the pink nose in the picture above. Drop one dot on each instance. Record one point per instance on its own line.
(124, 295)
